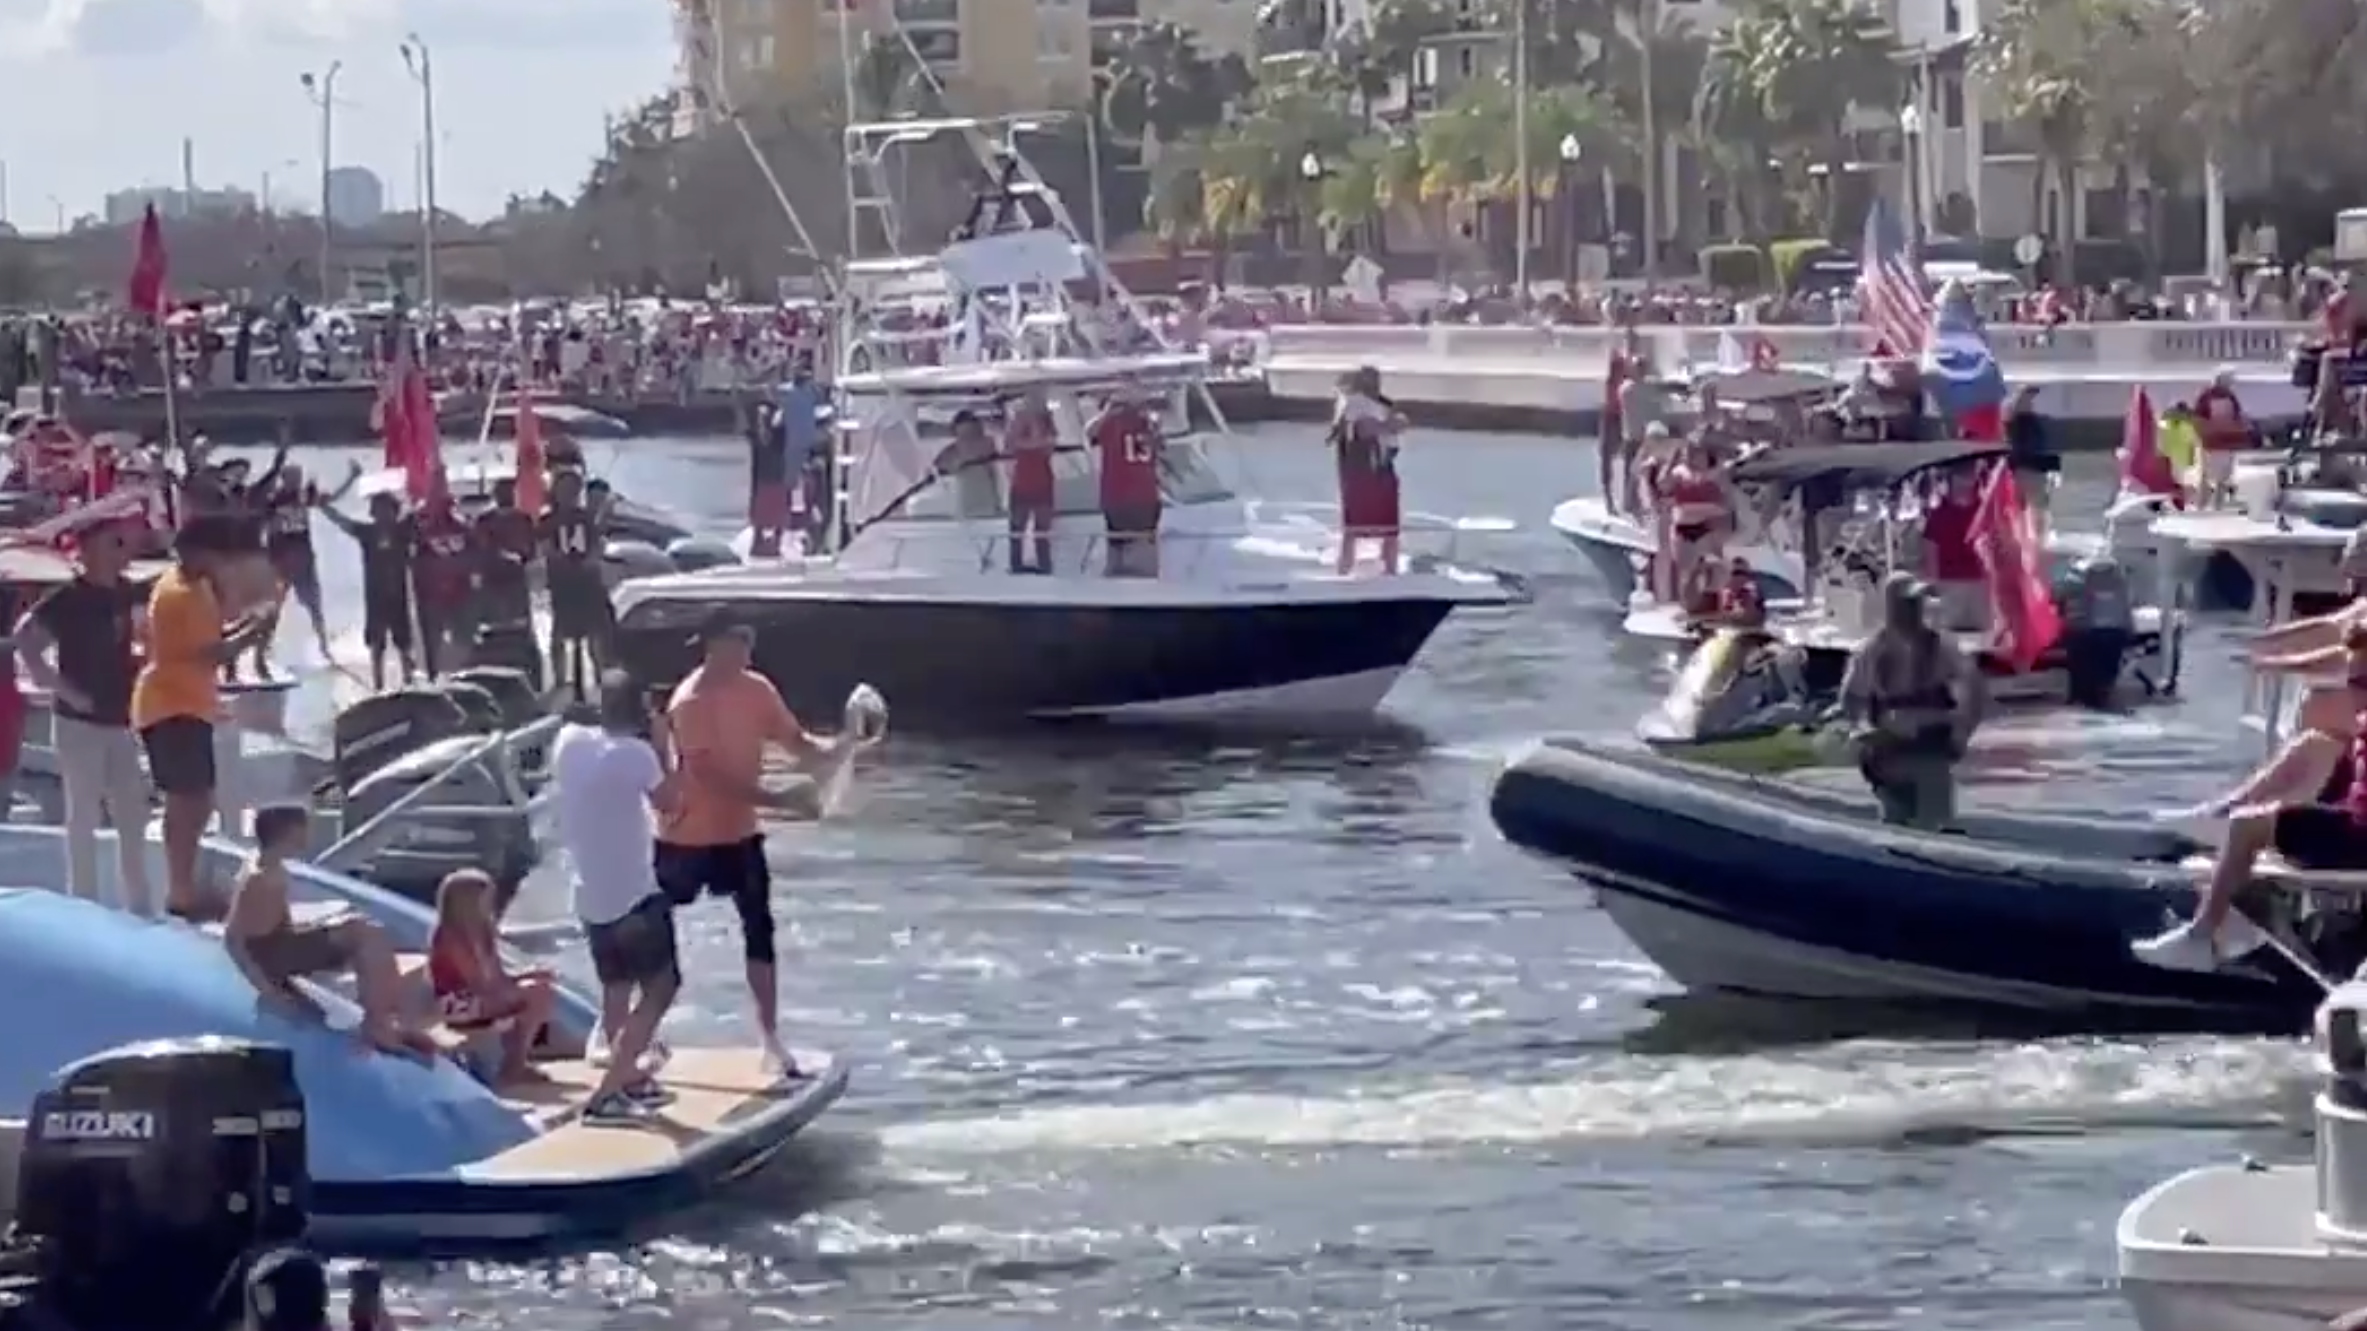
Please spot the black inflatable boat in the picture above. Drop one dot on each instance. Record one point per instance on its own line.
(1733, 883)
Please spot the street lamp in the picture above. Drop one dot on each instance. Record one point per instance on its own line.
(323, 92)
(1911, 130)
(422, 69)
(1571, 150)
(1311, 171)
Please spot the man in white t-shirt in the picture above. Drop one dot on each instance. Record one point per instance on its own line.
(603, 781)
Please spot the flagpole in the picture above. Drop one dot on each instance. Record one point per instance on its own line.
(172, 373)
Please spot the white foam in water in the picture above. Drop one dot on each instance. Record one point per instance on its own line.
(1847, 1093)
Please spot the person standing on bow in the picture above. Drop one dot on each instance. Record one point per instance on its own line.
(2219, 415)
(287, 499)
(503, 546)
(1912, 700)
(1029, 439)
(572, 538)
(1365, 428)
(1693, 492)
(1128, 444)
(77, 644)
(177, 693)
(389, 541)
(442, 584)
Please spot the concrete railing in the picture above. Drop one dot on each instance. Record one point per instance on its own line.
(2103, 346)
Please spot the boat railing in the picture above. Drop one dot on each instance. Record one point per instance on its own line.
(1280, 541)
(499, 744)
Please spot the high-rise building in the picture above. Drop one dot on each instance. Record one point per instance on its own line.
(357, 197)
(992, 55)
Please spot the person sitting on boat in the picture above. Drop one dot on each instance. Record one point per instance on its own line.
(1029, 440)
(474, 991)
(1700, 514)
(1365, 429)
(1127, 442)
(2317, 833)
(2219, 415)
(274, 950)
(1741, 604)
(1913, 701)
(1959, 581)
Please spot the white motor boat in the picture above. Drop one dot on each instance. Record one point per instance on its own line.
(2252, 1247)
(1852, 489)
(1246, 614)
(2307, 522)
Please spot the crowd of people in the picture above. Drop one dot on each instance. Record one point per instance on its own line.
(136, 675)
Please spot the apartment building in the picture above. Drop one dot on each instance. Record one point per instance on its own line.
(993, 55)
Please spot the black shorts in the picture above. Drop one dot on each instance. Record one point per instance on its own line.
(637, 947)
(735, 870)
(579, 604)
(1132, 523)
(386, 622)
(180, 755)
(2321, 836)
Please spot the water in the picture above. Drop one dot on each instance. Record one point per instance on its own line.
(1159, 1032)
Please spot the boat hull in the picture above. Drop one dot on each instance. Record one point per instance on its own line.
(1619, 551)
(956, 662)
(2028, 915)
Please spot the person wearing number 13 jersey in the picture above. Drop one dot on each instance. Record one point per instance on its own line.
(1127, 440)
(572, 540)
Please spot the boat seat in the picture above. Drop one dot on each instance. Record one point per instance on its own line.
(2274, 868)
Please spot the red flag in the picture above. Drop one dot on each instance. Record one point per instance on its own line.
(407, 425)
(2020, 603)
(531, 494)
(1982, 424)
(2143, 469)
(145, 292)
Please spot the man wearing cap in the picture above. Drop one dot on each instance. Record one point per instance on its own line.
(722, 719)
(1912, 700)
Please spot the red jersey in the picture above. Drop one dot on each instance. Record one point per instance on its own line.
(2220, 418)
(1030, 444)
(1129, 448)
(453, 972)
(442, 568)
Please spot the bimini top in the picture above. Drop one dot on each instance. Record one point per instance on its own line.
(1861, 466)
(88, 978)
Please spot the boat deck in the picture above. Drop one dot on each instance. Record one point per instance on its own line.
(715, 1089)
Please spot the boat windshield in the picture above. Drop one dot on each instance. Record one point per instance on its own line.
(977, 492)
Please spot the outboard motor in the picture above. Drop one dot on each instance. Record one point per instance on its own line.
(476, 703)
(514, 698)
(511, 647)
(153, 1174)
(379, 729)
(694, 553)
(2099, 627)
(621, 559)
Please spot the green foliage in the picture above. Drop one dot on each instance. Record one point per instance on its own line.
(1741, 268)
(1787, 255)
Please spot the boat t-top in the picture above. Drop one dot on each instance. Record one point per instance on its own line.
(1246, 613)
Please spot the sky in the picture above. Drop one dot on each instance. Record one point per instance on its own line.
(101, 93)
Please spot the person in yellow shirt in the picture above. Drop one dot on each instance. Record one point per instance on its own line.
(176, 696)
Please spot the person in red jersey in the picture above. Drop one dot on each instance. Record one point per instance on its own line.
(1127, 440)
(442, 587)
(1028, 440)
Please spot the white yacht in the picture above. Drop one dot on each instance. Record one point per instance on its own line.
(1246, 614)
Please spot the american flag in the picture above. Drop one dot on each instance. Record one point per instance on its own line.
(1890, 286)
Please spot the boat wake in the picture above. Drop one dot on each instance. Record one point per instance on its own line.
(1868, 1093)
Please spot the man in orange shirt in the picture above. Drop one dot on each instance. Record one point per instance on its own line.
(723, 718)
(176, 696)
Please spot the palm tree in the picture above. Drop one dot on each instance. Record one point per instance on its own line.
(1803, 68)
(1249, 165)
(1161, 86)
